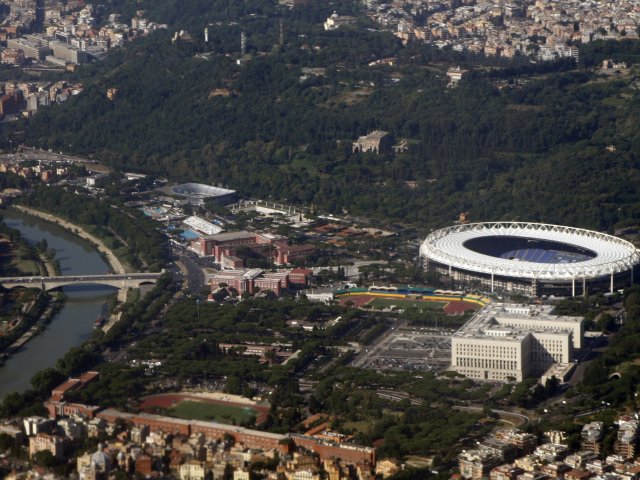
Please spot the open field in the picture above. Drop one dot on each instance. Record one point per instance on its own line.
(11, 263)
(359, 426)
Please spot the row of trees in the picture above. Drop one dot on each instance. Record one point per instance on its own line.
(620, 357)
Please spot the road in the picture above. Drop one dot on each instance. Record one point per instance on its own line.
(514, 418)
(194, 276)
(373, 350)
(398, 396)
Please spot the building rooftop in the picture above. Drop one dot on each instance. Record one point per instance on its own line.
(227, 236)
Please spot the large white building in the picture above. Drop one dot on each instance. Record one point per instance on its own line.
(201, 225)
(503, 342)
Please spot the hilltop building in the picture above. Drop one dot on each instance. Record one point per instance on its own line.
(336, 21)
(375, 142)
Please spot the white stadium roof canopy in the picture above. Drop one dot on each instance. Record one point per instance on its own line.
(612, 254)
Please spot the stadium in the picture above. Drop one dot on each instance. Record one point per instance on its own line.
(530, 258)
(197, 193)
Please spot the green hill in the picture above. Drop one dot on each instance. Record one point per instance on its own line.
(514, 141)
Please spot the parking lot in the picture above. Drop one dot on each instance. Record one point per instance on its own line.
(411, 350)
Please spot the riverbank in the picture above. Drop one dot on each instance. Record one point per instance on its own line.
(113, 261)
(37, 326)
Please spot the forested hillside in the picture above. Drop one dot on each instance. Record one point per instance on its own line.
(540, 143)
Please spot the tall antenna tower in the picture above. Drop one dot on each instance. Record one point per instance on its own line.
(243, 44)
(281, 37)
(206, 35)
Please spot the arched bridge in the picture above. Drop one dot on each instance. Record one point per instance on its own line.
(125, 280)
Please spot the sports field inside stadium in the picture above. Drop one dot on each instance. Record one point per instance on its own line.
(203, 407)
(199, 410)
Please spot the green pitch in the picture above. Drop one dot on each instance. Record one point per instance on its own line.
(403, 304)
(194, 410)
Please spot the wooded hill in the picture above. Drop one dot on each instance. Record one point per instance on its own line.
(548, 142)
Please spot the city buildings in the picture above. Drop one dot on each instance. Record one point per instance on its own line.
(552, 460)
(534, 28)
(592, 435)
(65, 34)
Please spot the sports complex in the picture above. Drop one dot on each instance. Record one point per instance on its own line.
(531, 258)
(450, 302)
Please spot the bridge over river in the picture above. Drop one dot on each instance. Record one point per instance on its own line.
(122, 281)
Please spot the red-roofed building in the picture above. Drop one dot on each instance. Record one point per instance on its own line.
(251, 280)
(300, 276)
(144, 465)
(578, 474)
(57, 406)
(223, 245)
(286, 254)
(69, 384)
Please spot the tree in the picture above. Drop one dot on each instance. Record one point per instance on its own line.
(606, 322)
(42, 245)
(6, 442)
(45, 380)
(76, 360)
(45, 459)
(551, 386)
(233, 385)
(270, 355)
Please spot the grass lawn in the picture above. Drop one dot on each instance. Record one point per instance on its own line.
(401, 303)
(361, 426)
(11, 264)
(28, 267)
(194, 410)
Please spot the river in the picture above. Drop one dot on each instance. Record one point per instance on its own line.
(74, 323)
